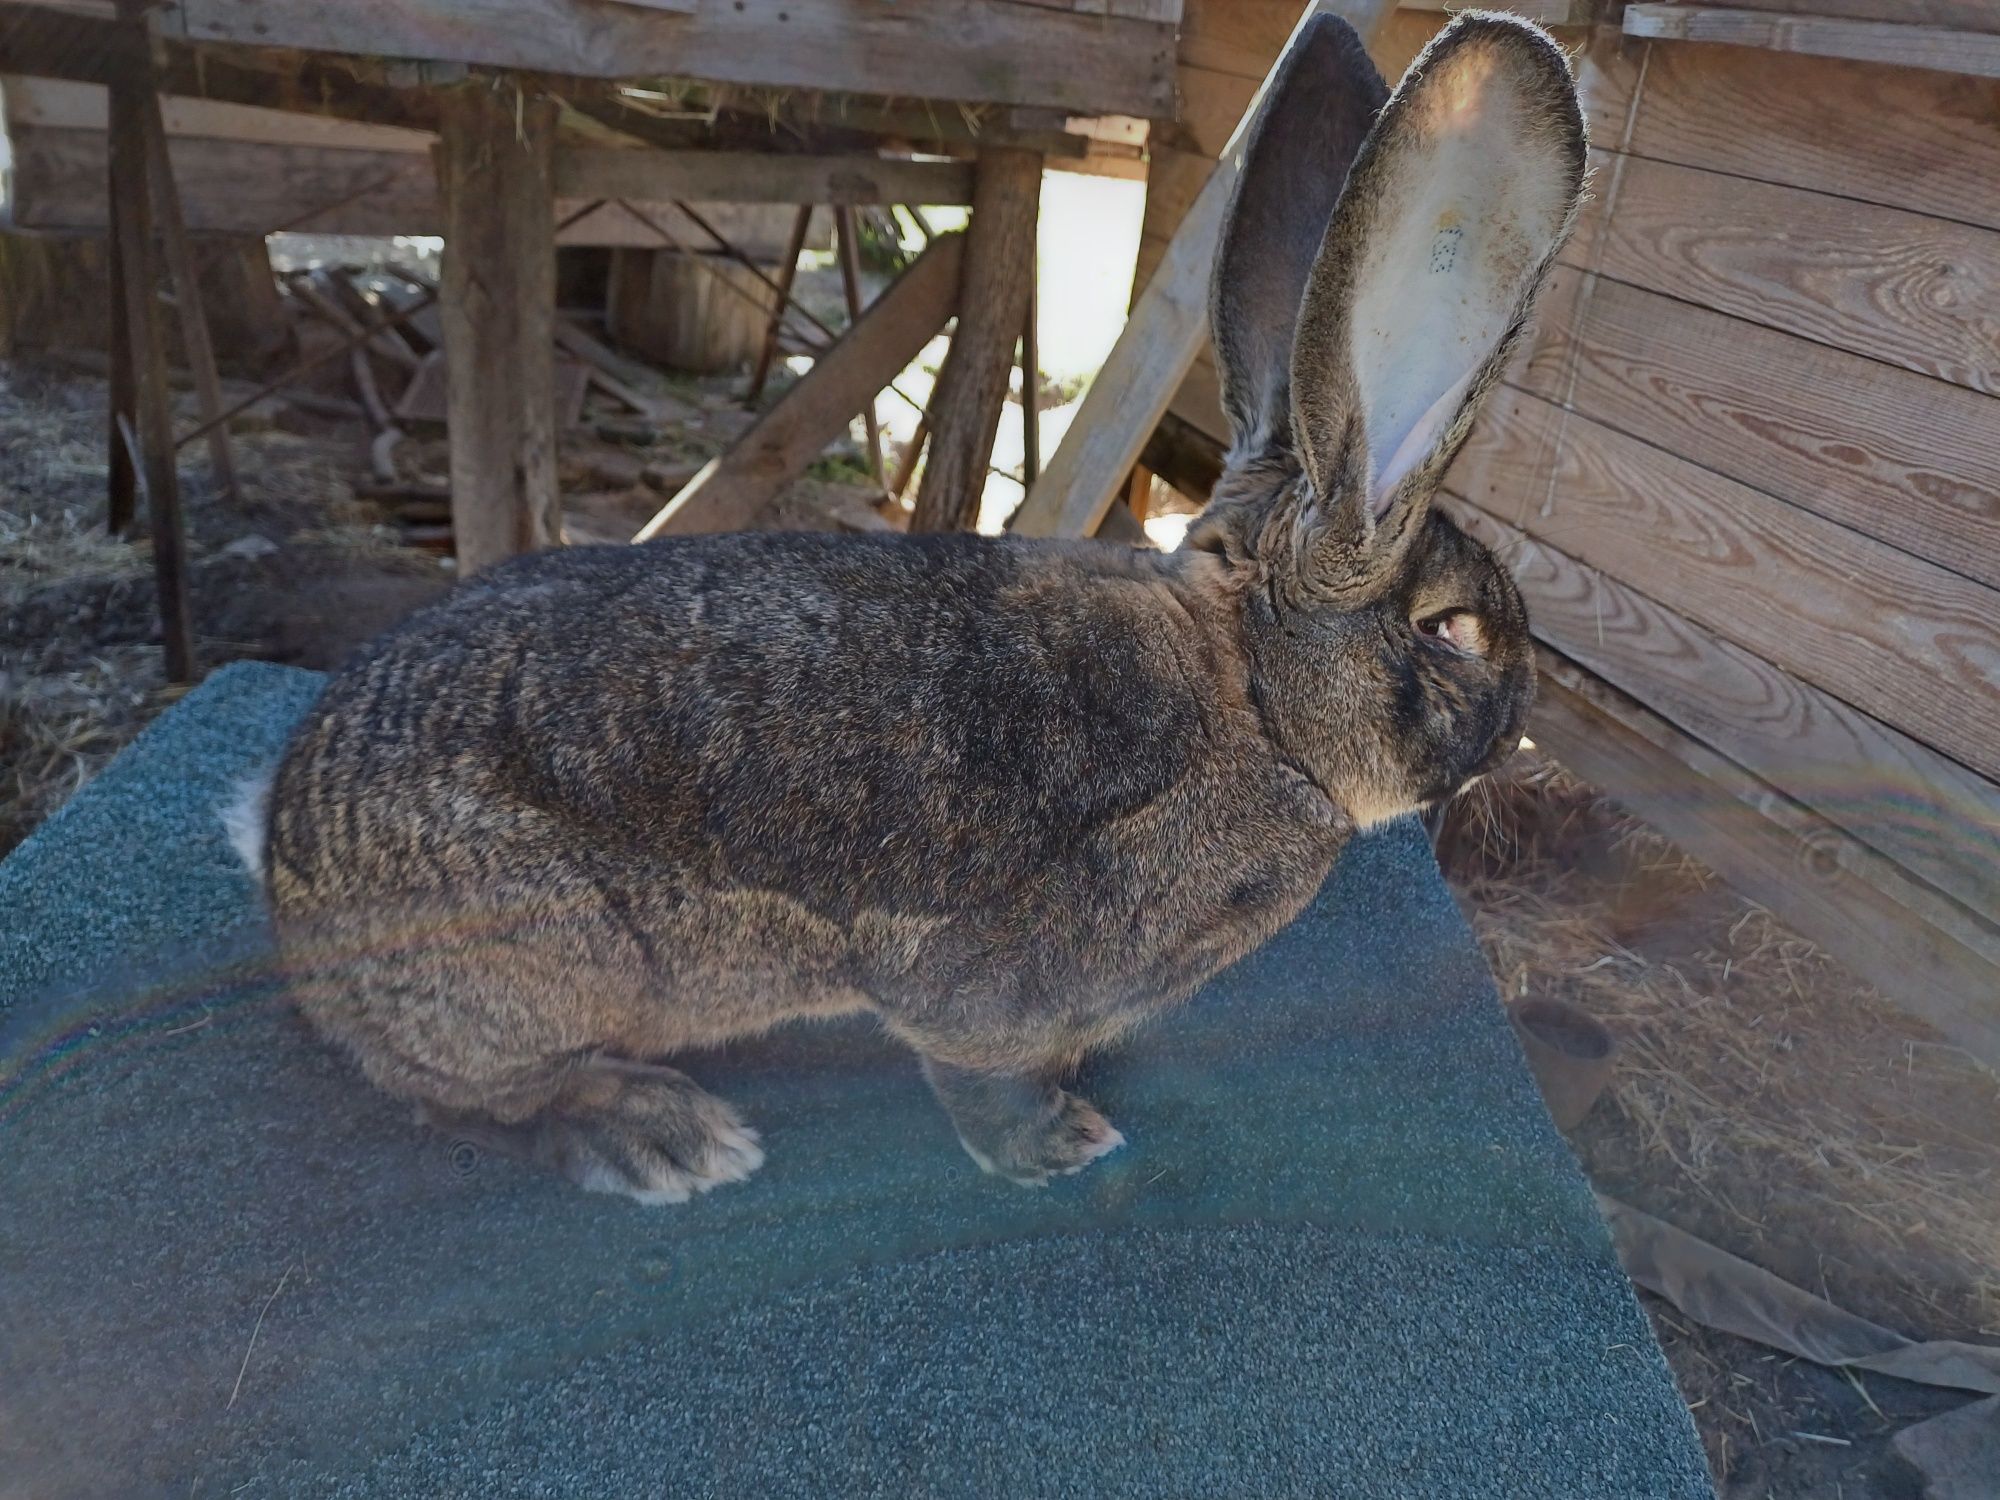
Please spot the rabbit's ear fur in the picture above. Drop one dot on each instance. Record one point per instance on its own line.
(1315, 115)
(1454, 210)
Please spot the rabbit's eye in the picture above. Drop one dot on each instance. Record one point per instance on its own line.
(1458, 628)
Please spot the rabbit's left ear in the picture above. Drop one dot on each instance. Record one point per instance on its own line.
(1458, 202)
(1316, 112)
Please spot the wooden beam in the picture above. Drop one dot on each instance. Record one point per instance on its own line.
(495, 165)
(248, 187)
(64, 104)
(969, 50)
(1167, 327)
(758, 177)
(1939, 963)
(229, 187)
(776, 449)
(55, 42)
(1892, 43)
(1901, 798)
(992, 304)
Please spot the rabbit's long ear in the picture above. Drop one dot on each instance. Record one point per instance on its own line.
(1462, 195)
(1314, 117)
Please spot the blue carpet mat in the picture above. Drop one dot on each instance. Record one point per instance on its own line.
(1344, 1254)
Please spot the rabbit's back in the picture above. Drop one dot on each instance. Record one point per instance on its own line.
(1027, 766)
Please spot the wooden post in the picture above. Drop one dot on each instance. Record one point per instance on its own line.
(121, 501)
(152, 426)
(850, 285)
(195, 341)
(787, 274)
(992, 305)
(497, 306)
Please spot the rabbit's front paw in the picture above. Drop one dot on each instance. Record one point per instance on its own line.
(1069, 1140)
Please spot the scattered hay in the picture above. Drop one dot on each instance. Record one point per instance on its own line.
(57, 730)
(37, 549)
(1765, 1098)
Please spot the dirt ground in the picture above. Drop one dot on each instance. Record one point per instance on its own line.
(1764, 1099)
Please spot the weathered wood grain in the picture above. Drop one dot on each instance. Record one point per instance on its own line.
(759, 177)
(1934, 960)
(1901, 798)
(86, 106)
(972, 50)
(1920, 292)
(229, 186)
(1964, 15)
(1926, 142)
(730, 488)
(1892, 454)
(1897, 637)
(1548, 12)
(1888, 42)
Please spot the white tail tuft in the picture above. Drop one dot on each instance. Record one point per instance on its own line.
(244, 820)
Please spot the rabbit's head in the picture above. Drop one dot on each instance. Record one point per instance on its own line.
(1376, 271)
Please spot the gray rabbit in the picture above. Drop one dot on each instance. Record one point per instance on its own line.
(607, 804)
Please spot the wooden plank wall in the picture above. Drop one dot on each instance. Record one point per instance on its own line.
(1748, 474)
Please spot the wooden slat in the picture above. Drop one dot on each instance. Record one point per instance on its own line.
(730, 489)
(1961, 15)
(246, 187)
(1925, 142)
(1548, 12)
(1895, 636)
(1892, 454)
(86, 106)
(759, 177)
(1910, 290)
(972, 50)
(1899, 797)
(1167, 11)
(230, 186)
(1862, 909)
(1971, 52)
